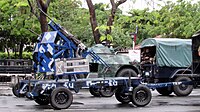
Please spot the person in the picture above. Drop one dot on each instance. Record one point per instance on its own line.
(147, 57)
(199, 51)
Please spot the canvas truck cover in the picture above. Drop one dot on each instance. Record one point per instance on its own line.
(171, 52)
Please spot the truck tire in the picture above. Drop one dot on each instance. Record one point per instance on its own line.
(94, 92)
(165, 91)
(126, 72)
(42, 100)
(61, 98)
(16, 89)
(141, 96)
(107, 91)
(183, 89)
(121, 97)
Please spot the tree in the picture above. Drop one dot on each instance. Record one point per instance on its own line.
(174, 20)
(93, 21)
(110, 21)
(14, 24)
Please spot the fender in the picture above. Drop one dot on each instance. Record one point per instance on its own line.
(181, 70)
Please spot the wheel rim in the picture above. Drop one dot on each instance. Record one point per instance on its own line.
(183, 86)
(124, 97)
(61, 98)
(141, 96)
(107, 90)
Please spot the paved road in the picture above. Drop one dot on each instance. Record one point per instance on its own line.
(84, 102)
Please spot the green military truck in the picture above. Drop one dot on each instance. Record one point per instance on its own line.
(167, 60)
(119, 65)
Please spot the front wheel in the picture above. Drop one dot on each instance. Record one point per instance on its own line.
(183, 89)
(141, 96)
(16, 89)
(121, 97)
(61, 98)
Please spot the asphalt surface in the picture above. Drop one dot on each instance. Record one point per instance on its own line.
(84, 102)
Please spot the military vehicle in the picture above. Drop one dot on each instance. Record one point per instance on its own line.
(167, 60)
(119, 65)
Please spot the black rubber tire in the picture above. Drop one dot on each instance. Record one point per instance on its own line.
(124, 99)
(107, 91)
(141, 96)
(61, 98)
(15, 90)
(183, 90)
(166, 91)
(126, 72)
(95, 92)
(42, 100)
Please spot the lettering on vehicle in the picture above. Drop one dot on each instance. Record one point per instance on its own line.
(176, 83)
(109, 82)
(69, 84)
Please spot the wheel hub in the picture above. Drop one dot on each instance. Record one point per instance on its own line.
(183, 87)
(141, 96)
(61, 98)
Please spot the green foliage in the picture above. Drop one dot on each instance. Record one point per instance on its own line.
(102, 29)
(15, 19)
(180, 20)
(25, 55)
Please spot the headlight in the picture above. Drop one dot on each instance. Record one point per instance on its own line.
(147, 73)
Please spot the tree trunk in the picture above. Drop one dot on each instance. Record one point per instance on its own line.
(43, 22)
(43, 19)
(112, 15)
(93, 22)
(7, 49)
(21, 49)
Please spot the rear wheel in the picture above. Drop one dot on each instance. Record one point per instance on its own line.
(183, 89)
(94, 92)
(107, 91)
(61, 98)
(126, 72)
(141, 96)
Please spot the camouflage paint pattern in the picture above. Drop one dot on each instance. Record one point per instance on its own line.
(115, 61)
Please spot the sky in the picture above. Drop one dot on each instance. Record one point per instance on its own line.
(127, 6)
(139, 4)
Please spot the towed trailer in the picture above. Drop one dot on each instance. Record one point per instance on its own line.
(127, 89)
(59, 94)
